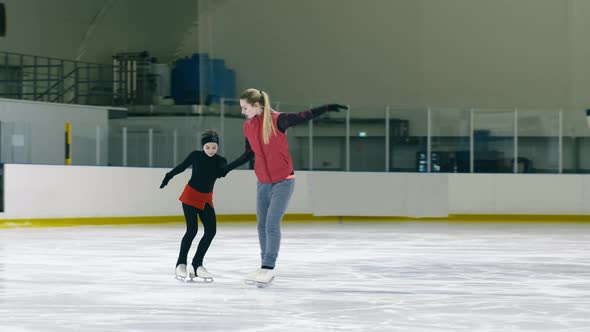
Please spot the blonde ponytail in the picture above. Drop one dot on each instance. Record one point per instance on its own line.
(268, 127)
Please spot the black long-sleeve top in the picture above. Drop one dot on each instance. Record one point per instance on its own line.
(205, 170)
(284, 121)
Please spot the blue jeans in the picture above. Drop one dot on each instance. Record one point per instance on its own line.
(272, 200)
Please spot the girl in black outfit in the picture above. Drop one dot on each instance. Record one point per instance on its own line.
(197, 199)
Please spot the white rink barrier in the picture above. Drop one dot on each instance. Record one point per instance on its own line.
(50, 191)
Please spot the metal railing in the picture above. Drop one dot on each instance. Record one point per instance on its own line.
(367, 139)
(38, 78)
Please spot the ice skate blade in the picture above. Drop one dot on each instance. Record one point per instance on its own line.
(199, 280)
(264, 284)
(207, 279)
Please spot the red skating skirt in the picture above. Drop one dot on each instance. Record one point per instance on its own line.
(195, 198)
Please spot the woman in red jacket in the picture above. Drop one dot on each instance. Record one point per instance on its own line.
(266, 140)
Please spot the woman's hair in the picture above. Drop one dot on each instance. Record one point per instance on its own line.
(253, 96)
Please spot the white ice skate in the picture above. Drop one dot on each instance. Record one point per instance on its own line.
(181, 273)
(251, 277)
(264, 277)
(201, 273)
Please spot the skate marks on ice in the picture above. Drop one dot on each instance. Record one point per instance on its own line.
(533, 277)
(378, 277)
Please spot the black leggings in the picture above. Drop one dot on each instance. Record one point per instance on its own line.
(209, 223)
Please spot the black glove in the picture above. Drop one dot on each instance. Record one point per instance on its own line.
(328, 108)
(336, 107)
(167, 178)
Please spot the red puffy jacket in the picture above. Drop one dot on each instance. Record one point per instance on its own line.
(273, 160)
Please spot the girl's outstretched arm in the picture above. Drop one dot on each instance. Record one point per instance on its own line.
(178, 169)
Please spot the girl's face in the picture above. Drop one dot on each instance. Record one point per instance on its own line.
(249, 110)
(210, 149)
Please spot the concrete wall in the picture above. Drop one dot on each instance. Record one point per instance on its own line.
(90, 30)
(449, 53)
(452, 53)
(34, 132)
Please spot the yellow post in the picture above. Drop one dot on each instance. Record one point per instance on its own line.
(68, 143)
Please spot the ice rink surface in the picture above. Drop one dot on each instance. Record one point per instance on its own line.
(357, 276)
